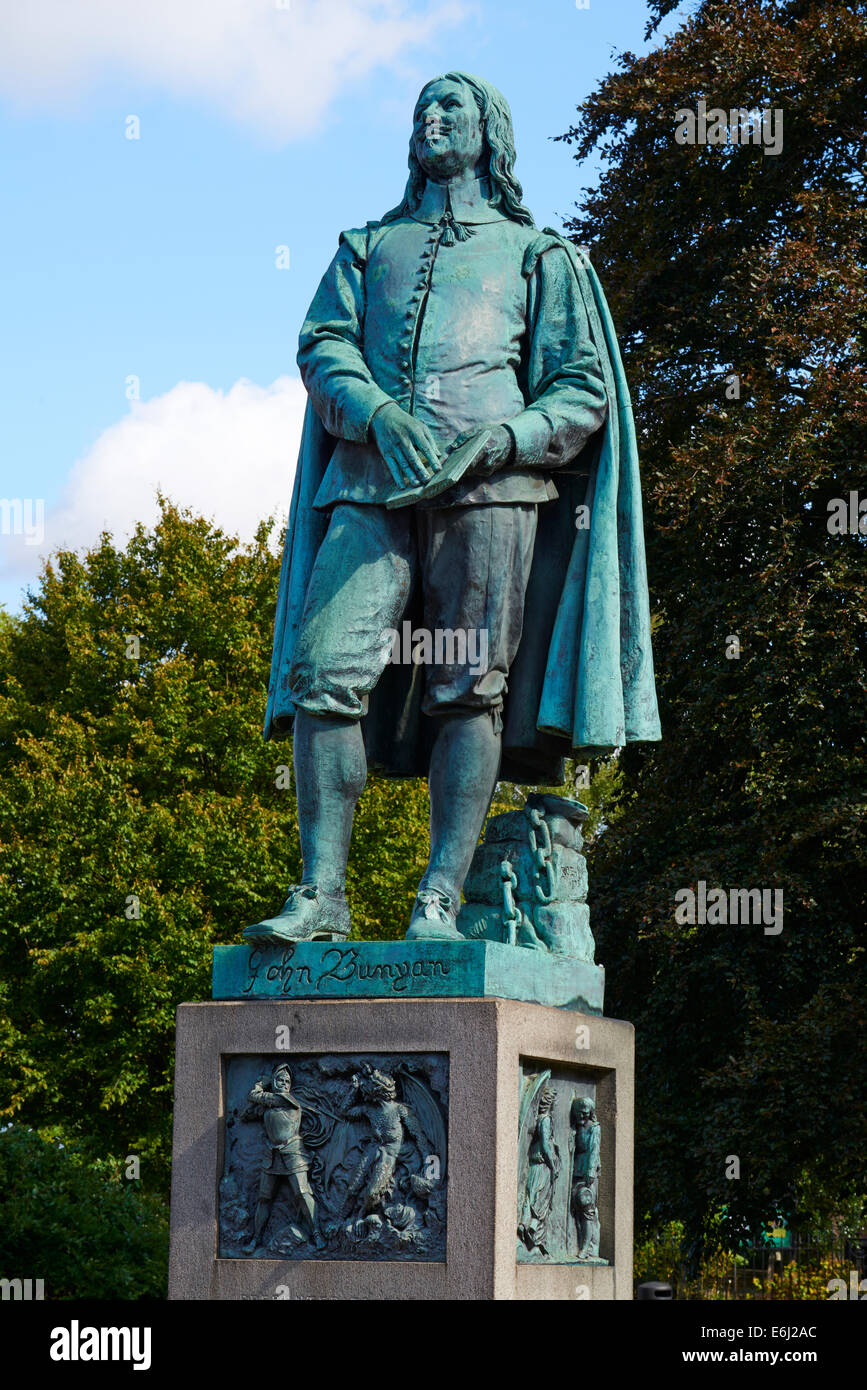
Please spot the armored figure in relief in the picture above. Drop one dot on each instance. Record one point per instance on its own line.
(286, 1156)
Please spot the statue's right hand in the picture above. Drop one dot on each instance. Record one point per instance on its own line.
(406, 445)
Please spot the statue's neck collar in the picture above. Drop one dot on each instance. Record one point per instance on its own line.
(466, 199)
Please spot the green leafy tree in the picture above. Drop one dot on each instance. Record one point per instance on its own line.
(143, 820)
(736, 278)
(82, 1227)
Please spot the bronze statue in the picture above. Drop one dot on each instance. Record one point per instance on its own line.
(465, 397)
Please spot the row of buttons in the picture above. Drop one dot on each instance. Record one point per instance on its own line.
(416, 298)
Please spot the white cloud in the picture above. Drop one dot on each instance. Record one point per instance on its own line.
(227, 455)
(274, 64)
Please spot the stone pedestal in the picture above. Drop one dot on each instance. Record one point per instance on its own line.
(434, 1101)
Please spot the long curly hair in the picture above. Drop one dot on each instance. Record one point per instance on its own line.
(499, 152)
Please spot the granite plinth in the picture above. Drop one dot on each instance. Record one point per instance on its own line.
(483, 1049)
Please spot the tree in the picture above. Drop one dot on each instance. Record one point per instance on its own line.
(143, 820)
(83, 1228)
(736, 278)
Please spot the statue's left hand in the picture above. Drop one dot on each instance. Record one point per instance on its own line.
(495, 455)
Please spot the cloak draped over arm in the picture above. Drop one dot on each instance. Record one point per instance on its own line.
(564, 382)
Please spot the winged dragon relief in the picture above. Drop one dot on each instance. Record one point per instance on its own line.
(386, 1159)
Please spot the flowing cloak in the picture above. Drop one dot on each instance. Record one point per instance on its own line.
(582, 680)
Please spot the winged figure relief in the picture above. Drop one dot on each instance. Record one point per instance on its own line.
(538, 1162)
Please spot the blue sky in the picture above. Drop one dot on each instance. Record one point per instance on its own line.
(263, 123)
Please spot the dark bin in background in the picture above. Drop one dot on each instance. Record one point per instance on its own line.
(654, 1289)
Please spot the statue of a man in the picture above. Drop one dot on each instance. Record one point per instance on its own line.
(451, 316)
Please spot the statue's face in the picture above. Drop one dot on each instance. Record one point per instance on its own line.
(281, 1081)
(447, 133)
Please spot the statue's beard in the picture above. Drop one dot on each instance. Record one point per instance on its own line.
(442, 162)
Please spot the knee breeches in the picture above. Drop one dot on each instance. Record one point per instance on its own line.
(473, 564)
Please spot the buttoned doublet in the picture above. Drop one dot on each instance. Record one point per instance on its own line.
(466, 319)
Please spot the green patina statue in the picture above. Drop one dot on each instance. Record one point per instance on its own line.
(540, 1172)
(468, 472)
(286, 1156)
(344, 1157)
(586, 1146)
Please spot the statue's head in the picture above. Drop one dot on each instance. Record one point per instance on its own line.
(462, 124)
(448, 129)
(281, 1079)
(585, 1109)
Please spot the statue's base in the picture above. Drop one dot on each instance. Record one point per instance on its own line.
(407, 970)
(483, 1065)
